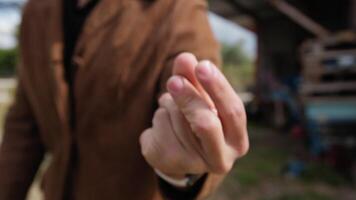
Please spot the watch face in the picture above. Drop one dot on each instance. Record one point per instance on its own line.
(193, 178)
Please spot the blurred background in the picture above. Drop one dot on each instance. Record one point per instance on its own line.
(293, 62)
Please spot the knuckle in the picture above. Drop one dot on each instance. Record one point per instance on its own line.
(244, 148)
(204, 123)
(187, 100)
(164, 98)
(223, 167)
(225, 162)
(160, 112)
(197, 166)
(159, 115)
(146, 145)
(236, 112)
(244, 151)
(143, 142)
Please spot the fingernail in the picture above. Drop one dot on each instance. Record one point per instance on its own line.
(175, 84)
(204, 69)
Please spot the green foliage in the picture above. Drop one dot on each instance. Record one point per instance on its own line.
(262, 163)
(238, 67)
(8, 61)
(3, 110)
(310, 195)
(234, 54)
(318, 172)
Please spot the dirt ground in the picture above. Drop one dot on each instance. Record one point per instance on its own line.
(258, 176)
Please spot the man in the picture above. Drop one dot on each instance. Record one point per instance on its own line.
(92, 94)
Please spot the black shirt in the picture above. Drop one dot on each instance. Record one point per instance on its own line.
(73, 22)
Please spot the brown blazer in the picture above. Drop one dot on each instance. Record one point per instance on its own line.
(124, 57)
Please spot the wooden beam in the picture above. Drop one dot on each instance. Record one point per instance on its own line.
(337, 87)
(242, 8)
(300, 18)
(229, 12)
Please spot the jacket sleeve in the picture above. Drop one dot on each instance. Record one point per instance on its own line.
(21, 150)
(191, 32)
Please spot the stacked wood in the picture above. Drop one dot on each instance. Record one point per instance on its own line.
(329, 66)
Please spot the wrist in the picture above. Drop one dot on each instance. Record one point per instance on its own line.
(170, 191)
(178, 180)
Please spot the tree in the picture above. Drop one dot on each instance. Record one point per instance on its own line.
(238, 66)
(8, 62)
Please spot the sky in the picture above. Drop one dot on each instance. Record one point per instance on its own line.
(9, 19)
(230, 33)
(224, 30)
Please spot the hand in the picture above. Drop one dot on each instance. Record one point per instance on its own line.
(200, 126)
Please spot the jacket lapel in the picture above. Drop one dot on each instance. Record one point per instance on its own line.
(59, 85)
(102, 13)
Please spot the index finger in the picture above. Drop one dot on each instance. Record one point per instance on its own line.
(229, 105)
(204, 123)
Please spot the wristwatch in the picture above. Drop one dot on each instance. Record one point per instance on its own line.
(188, 181)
